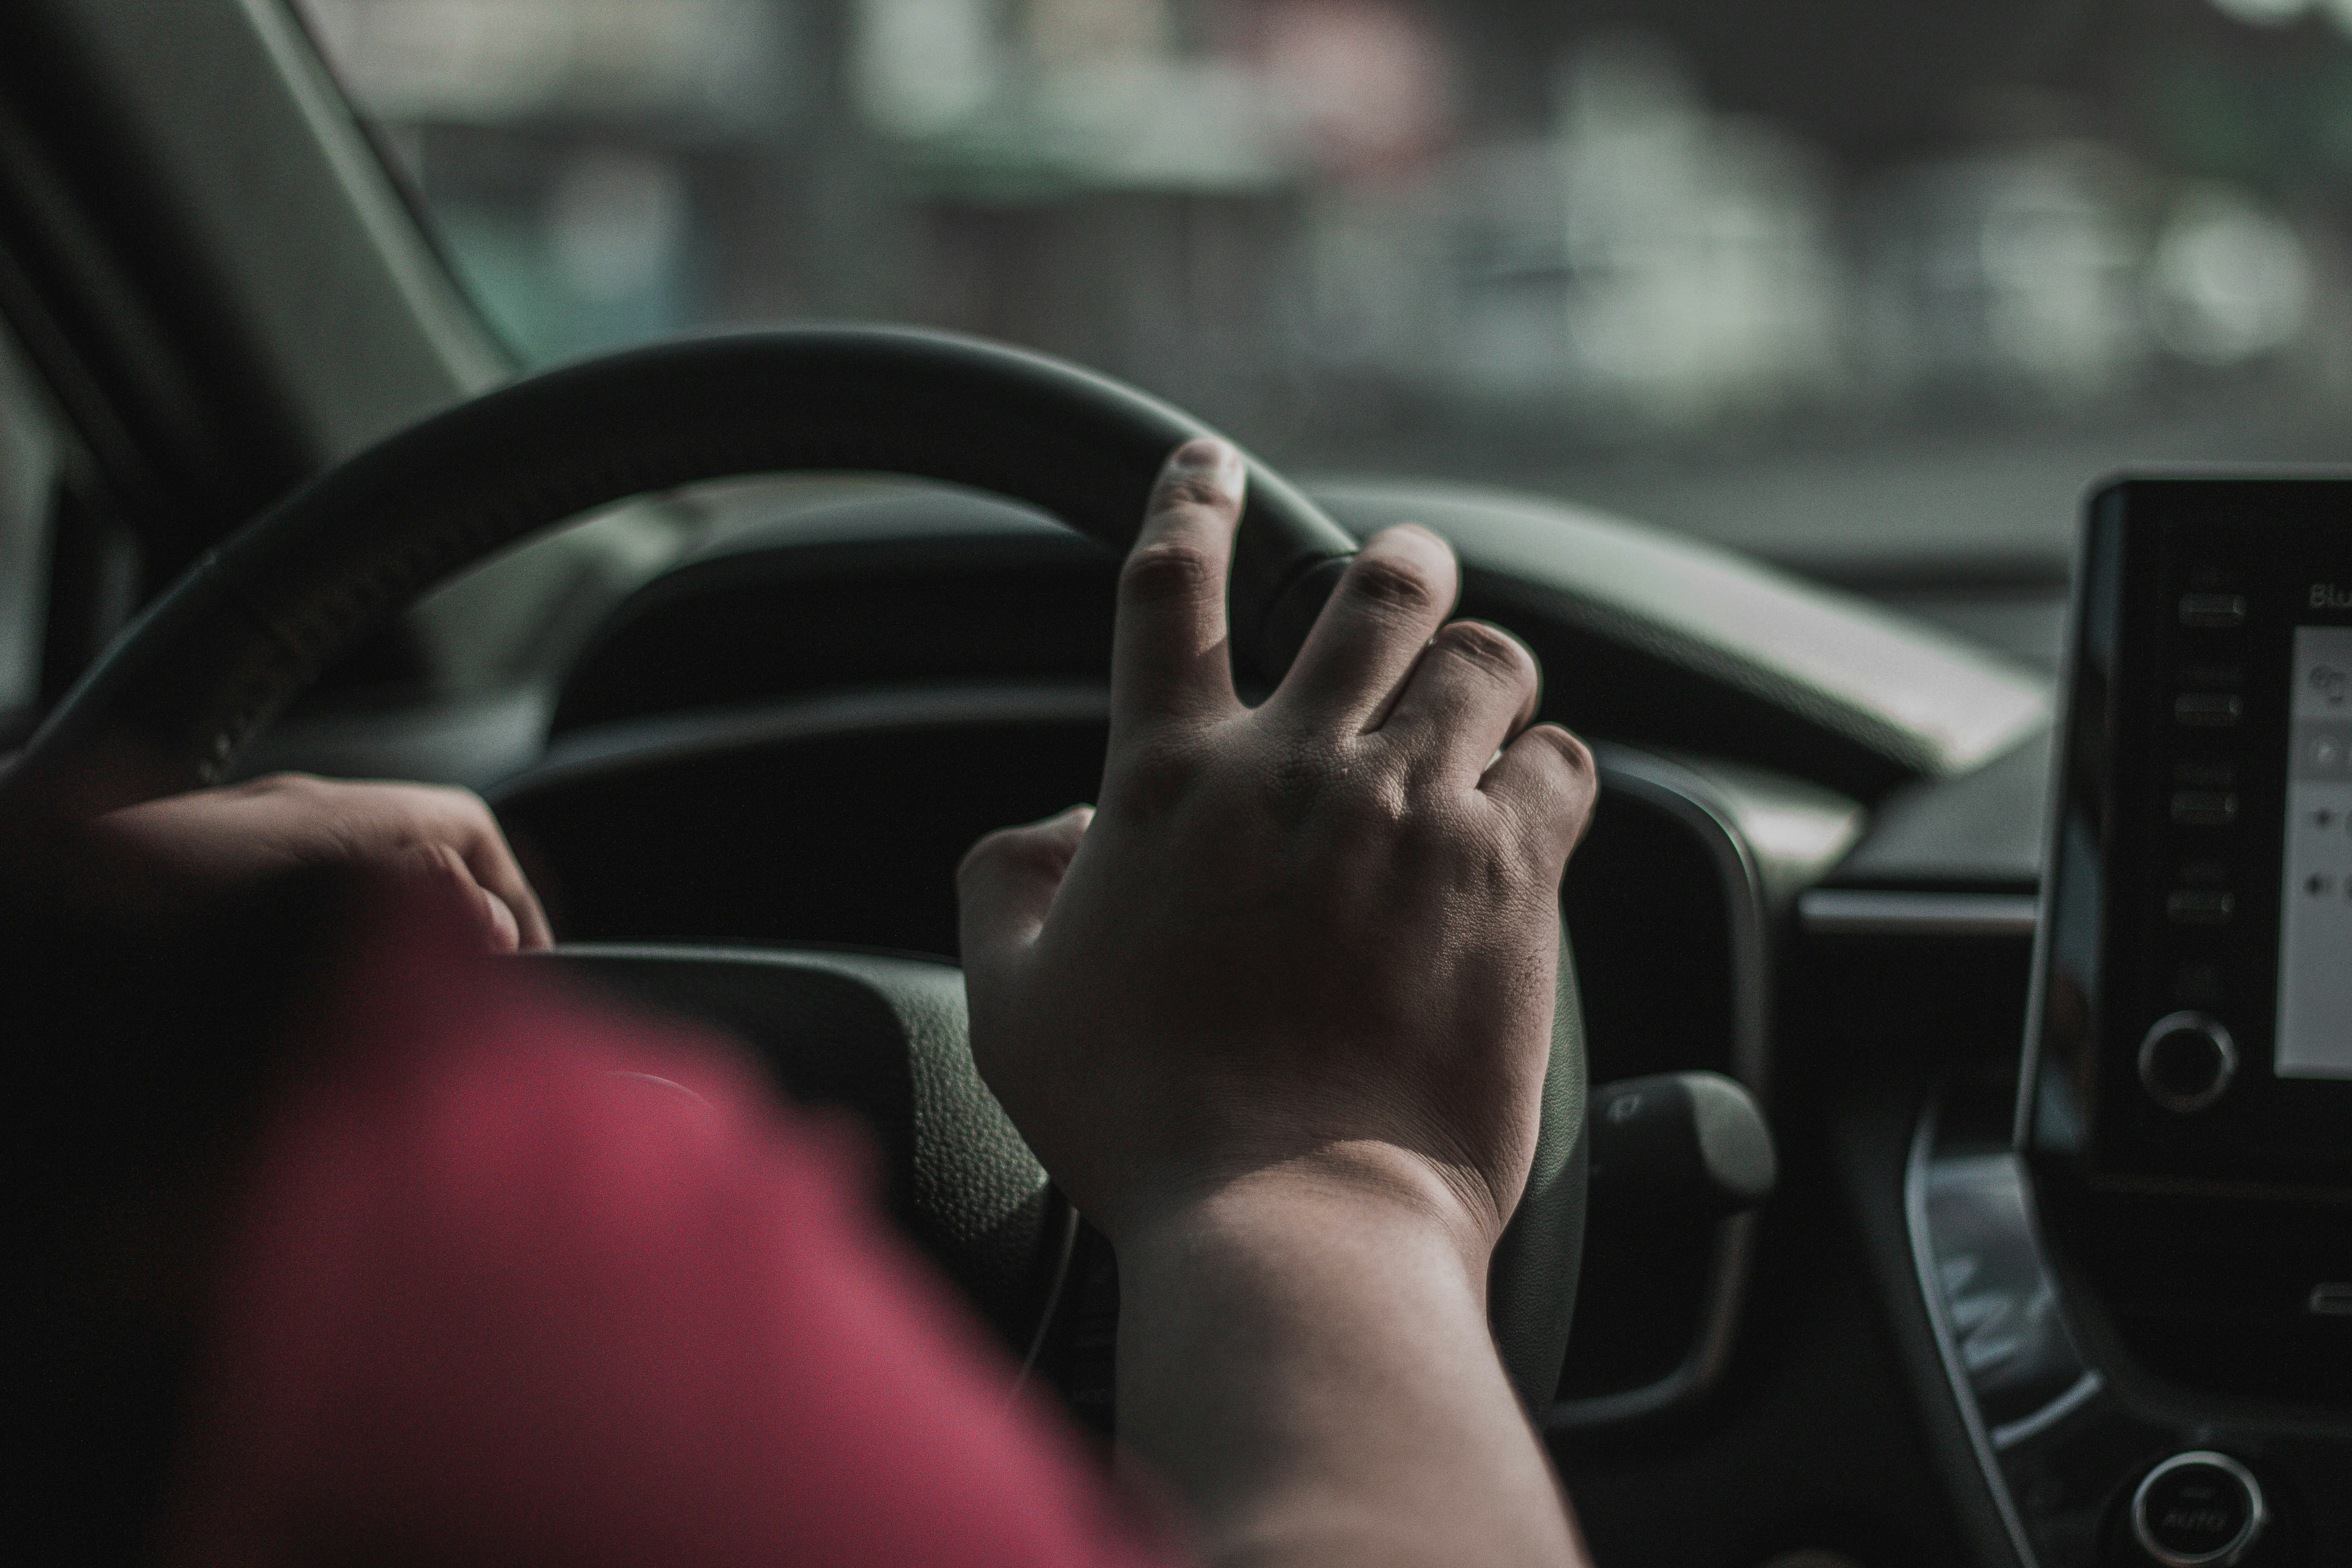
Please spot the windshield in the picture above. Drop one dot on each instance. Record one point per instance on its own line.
(1875, 287)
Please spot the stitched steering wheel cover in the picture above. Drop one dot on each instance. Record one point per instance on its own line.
(174, 701)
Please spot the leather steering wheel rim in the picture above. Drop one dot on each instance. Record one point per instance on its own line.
(174, 701)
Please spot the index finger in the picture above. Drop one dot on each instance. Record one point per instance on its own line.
(1169, 652)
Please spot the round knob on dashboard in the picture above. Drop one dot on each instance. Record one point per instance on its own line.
(2186, 1061)
(2198, 1509)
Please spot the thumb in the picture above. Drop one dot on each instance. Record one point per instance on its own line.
(1006, 885)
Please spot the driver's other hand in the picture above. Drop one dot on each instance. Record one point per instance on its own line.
(1314, 940)
(186, 855)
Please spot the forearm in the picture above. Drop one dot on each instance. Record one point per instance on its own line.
(1312, 1369)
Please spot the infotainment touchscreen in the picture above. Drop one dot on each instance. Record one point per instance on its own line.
(2194, 982)
(2315, 970)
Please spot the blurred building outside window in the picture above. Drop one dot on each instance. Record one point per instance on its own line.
(1372, 233)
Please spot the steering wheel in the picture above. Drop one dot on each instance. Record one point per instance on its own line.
(172, 703)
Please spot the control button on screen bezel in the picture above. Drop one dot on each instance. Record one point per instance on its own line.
(2208, 709)
(2212, 612)
(2229, 1552)
(2201, 906)
(2204, 1027)
(2204, 808)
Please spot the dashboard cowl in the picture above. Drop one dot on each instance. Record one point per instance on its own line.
(1646, 638)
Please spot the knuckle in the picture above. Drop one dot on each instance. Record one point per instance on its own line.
(1491, 650)
(1166, 758)
(456, 801)
(1393, 582)
(1376, 801)
(1296, 786)
(1573, 754)
(1167, 570)
(1564, 778)
(1492, 861)
(1438, 839)
(434, 863)
(1180, 489)
(1154, 772)
(304, 786)
(1563, 748)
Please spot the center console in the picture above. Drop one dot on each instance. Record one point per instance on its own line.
(2195, 1032)
(2164, 1226)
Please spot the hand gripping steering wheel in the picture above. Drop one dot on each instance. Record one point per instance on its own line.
(175, 699)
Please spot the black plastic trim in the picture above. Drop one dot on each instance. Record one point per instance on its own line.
(1691, 800)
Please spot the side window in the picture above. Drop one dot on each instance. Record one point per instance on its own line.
(69, 564)
(33, 457)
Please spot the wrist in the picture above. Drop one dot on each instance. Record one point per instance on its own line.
(1305, 1353)
(1368, 1193)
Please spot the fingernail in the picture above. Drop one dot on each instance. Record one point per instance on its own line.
(1208, 459)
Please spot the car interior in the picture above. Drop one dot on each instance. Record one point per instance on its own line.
(1949, 1153)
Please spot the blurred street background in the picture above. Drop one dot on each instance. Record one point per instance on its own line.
(1875, 290)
